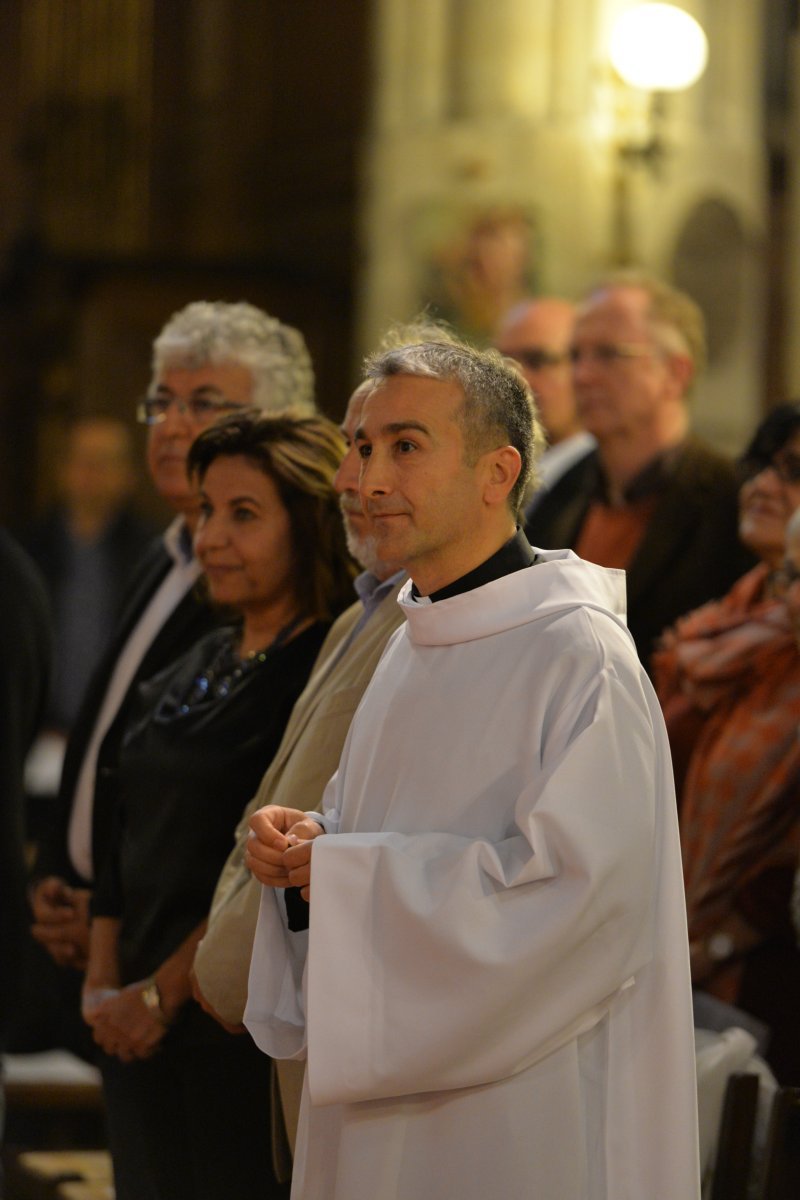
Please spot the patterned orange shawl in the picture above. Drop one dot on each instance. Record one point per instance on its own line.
(733, 668)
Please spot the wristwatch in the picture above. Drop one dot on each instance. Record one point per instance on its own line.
(152, 998)
(719, 947)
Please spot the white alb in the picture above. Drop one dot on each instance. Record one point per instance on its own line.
(493, 995)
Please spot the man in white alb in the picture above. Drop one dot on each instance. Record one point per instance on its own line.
(493, 992)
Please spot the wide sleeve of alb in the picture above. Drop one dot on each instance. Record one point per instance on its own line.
(275, 1010)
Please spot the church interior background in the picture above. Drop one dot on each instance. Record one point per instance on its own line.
(347, 163)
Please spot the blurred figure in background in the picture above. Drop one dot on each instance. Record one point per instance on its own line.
(25, 652)
(86, 548)
(728, 677)
(537, 334)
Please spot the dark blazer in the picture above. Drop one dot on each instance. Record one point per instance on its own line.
(25, 653)
(190, 621)
(690, 552)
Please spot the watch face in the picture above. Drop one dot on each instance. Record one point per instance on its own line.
(150, 995)
(720, 946)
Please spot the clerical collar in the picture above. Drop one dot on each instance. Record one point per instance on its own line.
(512, 556)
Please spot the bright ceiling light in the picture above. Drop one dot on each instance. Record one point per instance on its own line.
(658, 47)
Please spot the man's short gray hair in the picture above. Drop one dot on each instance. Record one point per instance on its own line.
(498, 409)
(215, 332)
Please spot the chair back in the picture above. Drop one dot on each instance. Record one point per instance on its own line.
(781, 1180)
(732, 1163)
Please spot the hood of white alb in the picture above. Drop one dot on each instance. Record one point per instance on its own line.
(558, 581)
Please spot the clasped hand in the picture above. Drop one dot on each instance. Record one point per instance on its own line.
(122, 1024)
(278, 850)
(61, 921)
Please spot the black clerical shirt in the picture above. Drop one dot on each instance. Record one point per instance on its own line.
(512, 556)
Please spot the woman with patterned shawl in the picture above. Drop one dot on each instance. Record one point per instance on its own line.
(728, 677)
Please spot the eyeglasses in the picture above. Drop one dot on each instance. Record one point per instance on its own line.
(784, 463)
(535, 358)
(203, 409)
(607, 355)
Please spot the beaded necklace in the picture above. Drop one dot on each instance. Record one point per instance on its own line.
(227, 668)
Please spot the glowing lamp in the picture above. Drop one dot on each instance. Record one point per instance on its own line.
(658, 47)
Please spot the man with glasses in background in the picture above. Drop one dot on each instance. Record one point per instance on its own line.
(537, 335)
(209, 358)
(651, 498)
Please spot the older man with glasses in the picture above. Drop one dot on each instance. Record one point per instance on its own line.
(537, 335)
(209, 358)
(651, 498)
